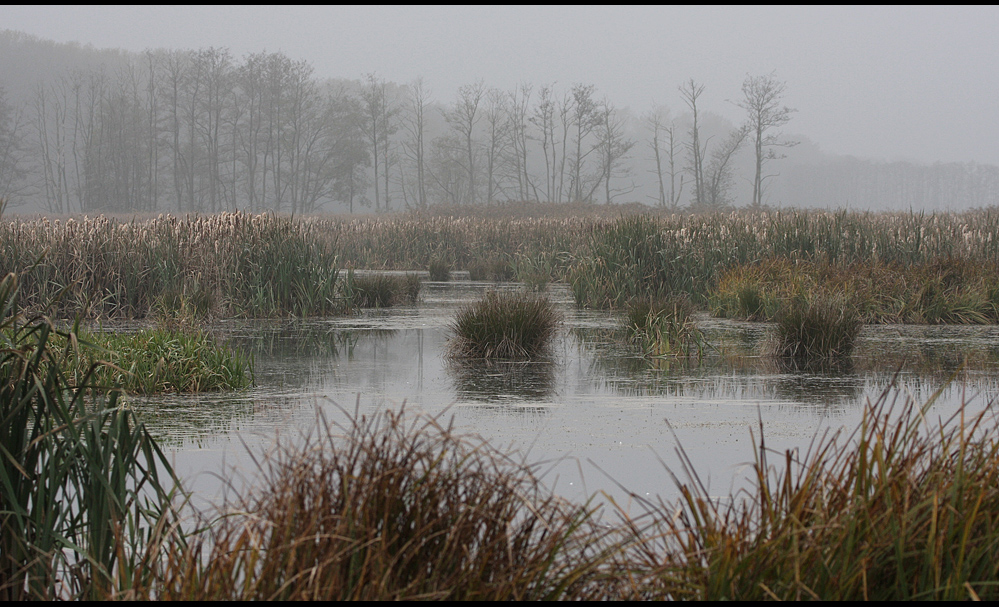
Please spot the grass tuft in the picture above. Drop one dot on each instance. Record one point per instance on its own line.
(394, 509)
(382, 290)
(439, 269)
(505, 325)
(818, 327)
(901, 509)
(665, 328)
(159, 360)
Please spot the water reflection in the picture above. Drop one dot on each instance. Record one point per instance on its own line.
(192, 420)
(503, 381)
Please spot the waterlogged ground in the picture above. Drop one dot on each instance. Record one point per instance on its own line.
(600, 417)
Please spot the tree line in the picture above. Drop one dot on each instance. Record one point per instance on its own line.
(204, 131)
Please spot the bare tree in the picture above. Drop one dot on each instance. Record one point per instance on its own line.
(543, 118)
(462, 118)
(416, 127)
(11, 147)
(497, 140)
(690, 91)
(518, 103)
(214, 65)
(762, 102)
(718, 175)
(374, 100)
(175, 66)
(586, 118)
(612, 148)
(665, 146)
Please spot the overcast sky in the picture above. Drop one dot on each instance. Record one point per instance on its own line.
(881, 82)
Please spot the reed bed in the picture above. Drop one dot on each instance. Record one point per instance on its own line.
(230, 264)
(947, 290)
(236, 264)
(654, 256)
(504, 325)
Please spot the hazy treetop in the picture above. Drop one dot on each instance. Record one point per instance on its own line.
(880, 82)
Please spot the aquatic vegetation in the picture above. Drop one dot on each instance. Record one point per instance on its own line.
(237, 264)
(83, 486)
(230, 264)
(439, 270)
(154, 361)
(815, 327)
(496, 268)
(950, 290)
(657, 255)
(395, 508)
(899, 509)
(506, 325)
(665, 328)
(381, 290)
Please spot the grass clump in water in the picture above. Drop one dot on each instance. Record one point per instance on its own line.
(394, 509)
(816, 327)
(160, 360)
(665, 328)
(505, 325)
(382, 290)
(439, 270)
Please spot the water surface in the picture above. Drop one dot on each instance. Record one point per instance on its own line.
(599, 416)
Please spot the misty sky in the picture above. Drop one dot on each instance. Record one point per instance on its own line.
(883, 82)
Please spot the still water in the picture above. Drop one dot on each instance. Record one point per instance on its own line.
(598, 417)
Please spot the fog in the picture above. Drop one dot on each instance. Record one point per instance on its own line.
(880, 93)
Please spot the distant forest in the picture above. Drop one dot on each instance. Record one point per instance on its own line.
(87, 130)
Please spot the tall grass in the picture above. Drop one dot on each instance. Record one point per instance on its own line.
(665, 328)
(900, 509)
(944, 290)
(505, 325)
(689, 254)
(261, 265)
(381, 290)
(154, 361)
(81, 483)
(394, 509)
(230, 264)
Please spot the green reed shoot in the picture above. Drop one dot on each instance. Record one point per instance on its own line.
(81, 480)
(665, 328)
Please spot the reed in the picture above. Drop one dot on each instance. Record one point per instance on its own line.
(439, 270)
(665, 328)
(505, 325)
(381, 290)
(231, 264)
(900, 509)
(83, 492)
(948, 290)
(822, 326)
(237, 264)
(391, 509)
